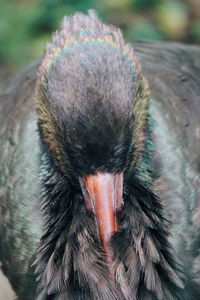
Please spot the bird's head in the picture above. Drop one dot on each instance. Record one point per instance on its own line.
(92, 103)
(103, 222)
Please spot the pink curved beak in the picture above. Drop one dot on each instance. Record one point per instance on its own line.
(103, 196)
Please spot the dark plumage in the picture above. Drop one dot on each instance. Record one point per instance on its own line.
(94, 118)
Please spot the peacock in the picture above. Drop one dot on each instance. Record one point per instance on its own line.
(96, 175)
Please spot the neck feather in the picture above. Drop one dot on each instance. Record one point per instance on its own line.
(70, 262)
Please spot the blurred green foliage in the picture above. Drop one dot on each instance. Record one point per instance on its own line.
(26, 25)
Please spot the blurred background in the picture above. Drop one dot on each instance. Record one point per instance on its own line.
(26, 25)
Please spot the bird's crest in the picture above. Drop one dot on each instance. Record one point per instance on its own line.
(81, 29)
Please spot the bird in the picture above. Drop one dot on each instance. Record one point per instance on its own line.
(94, 217)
